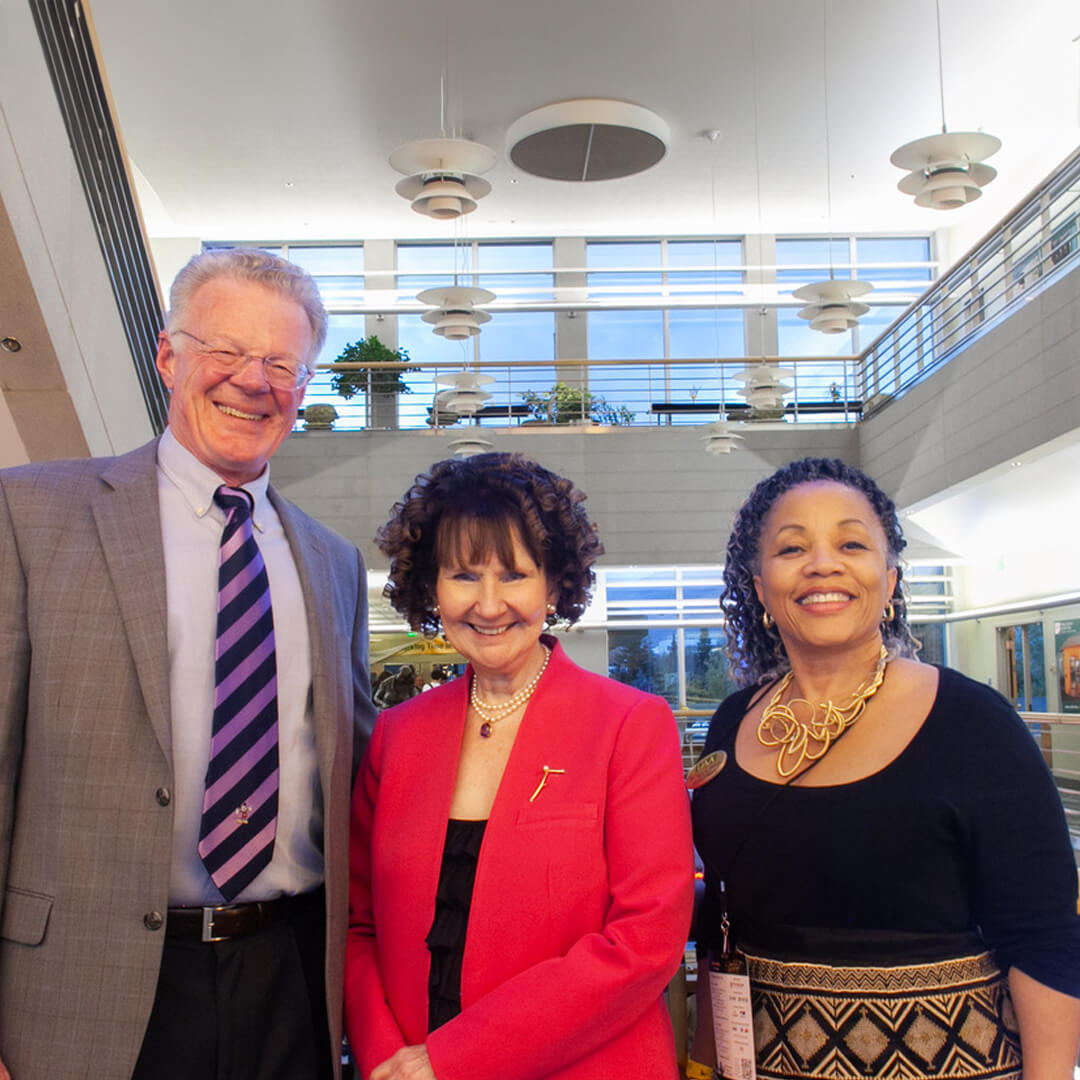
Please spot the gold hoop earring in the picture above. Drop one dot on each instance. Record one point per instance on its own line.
(890, 613)
(767, 620)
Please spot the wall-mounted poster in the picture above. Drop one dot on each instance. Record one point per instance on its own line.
(1067, 646)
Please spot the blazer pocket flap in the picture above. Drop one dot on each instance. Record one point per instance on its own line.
(26, 915)
(554, 813)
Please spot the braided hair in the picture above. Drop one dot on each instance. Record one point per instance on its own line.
(757, 654)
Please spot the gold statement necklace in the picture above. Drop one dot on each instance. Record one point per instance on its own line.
(779, 727)
(492, 714)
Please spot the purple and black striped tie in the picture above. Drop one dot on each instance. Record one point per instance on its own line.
(239, 817)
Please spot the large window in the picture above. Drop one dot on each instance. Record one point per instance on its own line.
(691, 289)
(663, 651)
(899, 269)
(338, 270)
(661, 317)
(521, 276)
(666, 633)
(647, 659)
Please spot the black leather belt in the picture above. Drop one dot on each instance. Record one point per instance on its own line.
(236, 920)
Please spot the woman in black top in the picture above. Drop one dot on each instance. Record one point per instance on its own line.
(895, 860)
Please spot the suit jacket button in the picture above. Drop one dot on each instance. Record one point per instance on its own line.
(153, 920)
(163, 797)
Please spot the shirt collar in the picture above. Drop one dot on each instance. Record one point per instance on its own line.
(197, 482)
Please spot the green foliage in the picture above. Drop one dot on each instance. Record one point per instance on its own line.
(707, 679)
(565, 404)
(382, 380)
(631, 661)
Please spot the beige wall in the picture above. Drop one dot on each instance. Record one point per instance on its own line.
(1012, 390)
(656, 495)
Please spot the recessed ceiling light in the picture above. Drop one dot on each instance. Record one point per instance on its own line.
(587, 139)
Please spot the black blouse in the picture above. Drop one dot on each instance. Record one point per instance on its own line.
(446, 938)
(960, 840)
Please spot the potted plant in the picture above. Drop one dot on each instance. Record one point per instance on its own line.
(382, 384)
(566, 404)
(319, 417)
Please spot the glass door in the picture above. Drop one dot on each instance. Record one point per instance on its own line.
(1022, 666)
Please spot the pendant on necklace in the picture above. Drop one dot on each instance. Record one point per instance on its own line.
(486, 730)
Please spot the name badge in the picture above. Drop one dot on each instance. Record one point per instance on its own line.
(709, 766)
(733, 1019)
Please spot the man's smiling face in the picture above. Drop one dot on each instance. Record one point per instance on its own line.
(233, 421)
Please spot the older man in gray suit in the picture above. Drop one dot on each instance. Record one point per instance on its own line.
(183, 702)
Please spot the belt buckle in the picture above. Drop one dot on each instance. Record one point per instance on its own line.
(208, 924)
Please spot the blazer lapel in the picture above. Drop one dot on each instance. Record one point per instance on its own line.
(128, 519)
(552, 707)
(312, 566)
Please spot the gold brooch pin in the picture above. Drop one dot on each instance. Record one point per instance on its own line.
(548, 771)
(708, 767)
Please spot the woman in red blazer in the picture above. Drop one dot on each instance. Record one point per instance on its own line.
(554, 794)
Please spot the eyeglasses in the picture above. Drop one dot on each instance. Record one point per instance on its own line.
(281, 372)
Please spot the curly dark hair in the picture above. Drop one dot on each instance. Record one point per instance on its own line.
(472, 507)
(757, 654)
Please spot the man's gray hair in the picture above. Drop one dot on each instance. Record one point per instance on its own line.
(249, 264)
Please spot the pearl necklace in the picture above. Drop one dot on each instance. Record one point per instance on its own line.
(491, 714)
(779, 727)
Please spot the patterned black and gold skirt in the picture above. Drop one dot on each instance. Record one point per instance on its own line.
(943, 1019)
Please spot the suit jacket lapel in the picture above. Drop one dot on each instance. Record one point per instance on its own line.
(313, 568)
(128, 518)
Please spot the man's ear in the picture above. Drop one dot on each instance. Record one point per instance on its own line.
(165, 360)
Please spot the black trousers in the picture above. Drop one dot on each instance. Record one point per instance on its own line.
(251, 1008)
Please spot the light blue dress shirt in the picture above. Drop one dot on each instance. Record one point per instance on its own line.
(191, 527)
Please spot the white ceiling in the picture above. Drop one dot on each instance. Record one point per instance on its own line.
(270, 119)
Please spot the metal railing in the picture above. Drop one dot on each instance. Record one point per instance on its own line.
(1036, 244)
(693, 727)
(1058, 736)
(637, 392)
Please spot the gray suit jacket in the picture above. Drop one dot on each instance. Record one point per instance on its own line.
(86, 762)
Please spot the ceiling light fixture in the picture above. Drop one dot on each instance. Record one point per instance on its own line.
(442, 175)
(468, 445)
(765, 386)
(832, 306)
(456, 317)
(464, 395)
(721, 438)
(946, 171)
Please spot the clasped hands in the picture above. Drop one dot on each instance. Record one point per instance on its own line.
(409, 1063)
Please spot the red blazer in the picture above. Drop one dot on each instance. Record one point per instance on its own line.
(582, 899)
